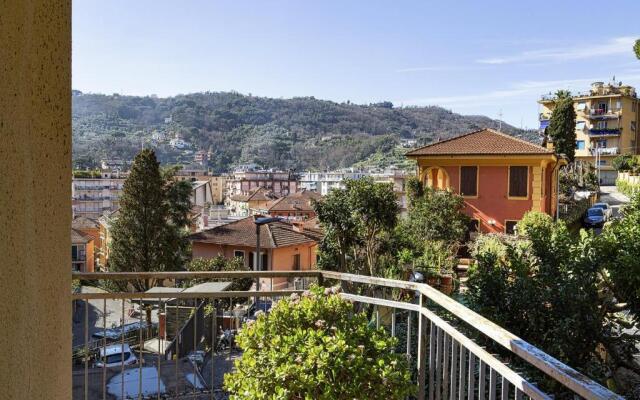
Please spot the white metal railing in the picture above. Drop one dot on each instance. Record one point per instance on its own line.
(449, 363)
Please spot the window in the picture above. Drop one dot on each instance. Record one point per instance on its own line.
(469, 181)
(602, 162)
(510, 227)
(618, 104)
(253, 261)
(602, 125)
(296, 262)
(581, 106)
(580, 125)
(602, 143)
(518, 181)
(579, 144)
(239, 254)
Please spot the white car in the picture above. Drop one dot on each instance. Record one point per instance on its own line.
(606, 208)
(113, 356)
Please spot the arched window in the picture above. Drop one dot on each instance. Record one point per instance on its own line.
(436, 177)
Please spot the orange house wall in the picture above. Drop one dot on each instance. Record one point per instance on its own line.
(280, 259)
(492, 201)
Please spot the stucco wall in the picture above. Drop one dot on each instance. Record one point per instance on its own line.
(35, 199)
(492, 201)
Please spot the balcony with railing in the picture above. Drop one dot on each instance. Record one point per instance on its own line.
(604, 113)
(178, 352)
(605, 131)
(605, 151)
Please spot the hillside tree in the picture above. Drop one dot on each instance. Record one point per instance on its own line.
(150, 231)
(636, 48)
(562, 126)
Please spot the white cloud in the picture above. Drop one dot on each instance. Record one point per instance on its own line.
(518, 92)
(618, 45)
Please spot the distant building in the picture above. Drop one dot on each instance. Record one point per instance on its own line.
(281, 183)
(283, 247)
(201, 157)
(82, 251)
(607, 124)
(158, 136)
(201, 193)
(294, 207)
(243, 205)
(499, 177)
(178, 144)
(91, 197)
(324, 182)
(408, 143)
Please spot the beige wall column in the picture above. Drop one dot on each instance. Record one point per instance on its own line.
(536, 196)
(35, 199)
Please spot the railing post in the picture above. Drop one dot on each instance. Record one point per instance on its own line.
(422, 350)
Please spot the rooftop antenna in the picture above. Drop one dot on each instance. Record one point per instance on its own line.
(500, 120)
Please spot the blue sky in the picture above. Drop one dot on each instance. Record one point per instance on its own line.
(474, 57)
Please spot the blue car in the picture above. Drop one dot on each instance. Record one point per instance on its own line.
(594, 218)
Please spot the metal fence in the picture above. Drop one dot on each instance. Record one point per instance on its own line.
(456, 353)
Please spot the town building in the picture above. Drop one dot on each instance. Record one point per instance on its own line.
(92, 196)
(201, 193)
(104, 232)
(82, 251)
(243, 205)
(294, 207)
(284, 246)
(324, 182)
(245, 181)
(500, 177)
(607, 123)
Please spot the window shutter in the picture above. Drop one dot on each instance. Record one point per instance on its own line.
(518, 181)
(469, 181)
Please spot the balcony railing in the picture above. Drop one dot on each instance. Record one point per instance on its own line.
(605, 151)
(452, 348)
(605, 132)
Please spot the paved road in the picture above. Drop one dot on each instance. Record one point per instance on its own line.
(611, 195)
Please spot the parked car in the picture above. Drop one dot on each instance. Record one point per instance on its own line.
(113, 356)
(606, 208)
(594, 218)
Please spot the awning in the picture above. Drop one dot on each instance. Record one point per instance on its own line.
(544, 123)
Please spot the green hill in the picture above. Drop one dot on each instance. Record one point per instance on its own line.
(298, 133)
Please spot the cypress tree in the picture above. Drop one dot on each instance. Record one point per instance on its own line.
(562, 127)
(636, 48)
(149, 234)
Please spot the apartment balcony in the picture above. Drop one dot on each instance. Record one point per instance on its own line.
(605, 132)
(605, 151)
(600, 114)
(456, 353)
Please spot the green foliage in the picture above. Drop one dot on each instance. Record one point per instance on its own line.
(621, 252)
(627, 188)
(562, 126)
(357, 223)
(299, 133)
(149, 234)
(437, 257)
(636, 48)
(87, 173)
(433, 215)
(317, 347)
(219, 263)
(625, 162)
(541, 286)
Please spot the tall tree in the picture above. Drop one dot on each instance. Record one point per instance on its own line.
(636, 48)
(150, 234)
(357, 222)
(562, 127)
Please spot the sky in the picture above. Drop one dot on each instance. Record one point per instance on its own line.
(493, 58)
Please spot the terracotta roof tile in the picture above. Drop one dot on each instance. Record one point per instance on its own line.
(482, 142)
(78, 236)
(243, 233)
(299, 201)
(259, 194)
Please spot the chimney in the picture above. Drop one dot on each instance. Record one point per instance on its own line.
(298, 226)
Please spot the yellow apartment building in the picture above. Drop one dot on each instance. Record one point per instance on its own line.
(607, 123)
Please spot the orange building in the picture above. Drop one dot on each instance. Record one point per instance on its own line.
(82, 251)
(294, 207)
(284, 246)
(499, 176)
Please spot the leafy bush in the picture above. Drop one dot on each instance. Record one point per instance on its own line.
(316, 347)
(627, 188)
(624, 162)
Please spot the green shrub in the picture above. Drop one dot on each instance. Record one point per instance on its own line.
(317, 347)
(627, 188)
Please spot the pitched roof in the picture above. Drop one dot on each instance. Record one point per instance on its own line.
(78, 236)
(299, 201)
(259, 194)
(482, 142)
(82, 222)
(243, 233)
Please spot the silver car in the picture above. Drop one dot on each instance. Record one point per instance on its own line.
(115, 355)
